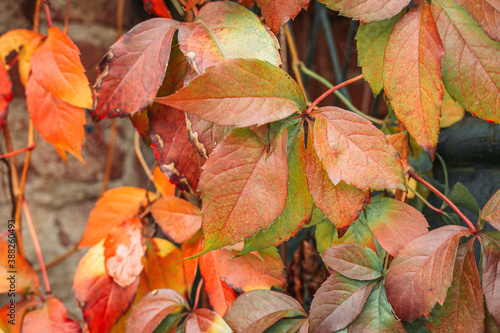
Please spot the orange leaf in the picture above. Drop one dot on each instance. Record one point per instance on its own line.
(24, 61)
(25, 279)
(190, 266)
(5, 93)
(50, 318)
(157, 7)
(123, 250)
(278, 12)
(12, 314)
(57, 67)
(178, 219)
(102, 300)
(57, 122)
(13, 40)
(114, 207)
(162, 183)
(206, 321)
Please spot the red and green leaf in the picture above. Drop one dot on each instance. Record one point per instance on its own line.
(367, 10)
(485, 14)
(358, 233)
(206, 321)
(205, 135)
(490, 275)
(353, 261)
(51, 317)
(278, 12)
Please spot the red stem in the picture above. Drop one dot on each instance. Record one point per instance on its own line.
(38, 250)
(331, 90)
(197, 297)
(47, 13)
(19, 151)
(443, 197)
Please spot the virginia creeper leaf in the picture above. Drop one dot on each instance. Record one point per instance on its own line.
(258, 178)
(157, 7)
(372, 39)
(51, 317)
(491, 272)
(225, 30)
(256, 310)
(299, 203)
(337, 303)
(463, 309)
(367, 10)
(170, 323)
(394, 223)
(57, 122)
(111, 209)
(123, 250)
(422, 272)
(205, 135)
(21, 308)
(178, 219)
(451, 111)
(141, 124)
(278, 12)
(377, 315)
(353, 150)
(6, 93)
(240, 92)
(131, 72)
(471, 60)
(491, 211)
(484, 12)
(26, 280)
(191, 4)
(461, 196)
(341, 203)
(101, 300)
(325, 234)
(13, 40)
(358, 233)
(57, 68)
(190, 248)
(152, 308)
(353, 261)
(164, 186)
(288, 325)
(206, 321)
(412, 75)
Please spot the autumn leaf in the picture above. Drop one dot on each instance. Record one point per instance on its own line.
(394, 223)
(486, 13)
(225, 30)
(123, 250)
(289, 325)
(412, 75)
(463, 309)
(14, 40)
(470, 61)
(157, 7)
(57, 122)
(25, 280)
(51, 317)
(101, 300)
(353, 261)
(140, 121)
(178, 219)
(205, 135)
(15, 313)
(190, 266)
(257, 310)
(278, 12)
(491, 211)
(491, 267)
(144, 49)
(358, 233)
(353, 150)
(6, 93)
(56, 66)
(162, 184)
(111, 209)
(258, 177)
(206, 321)
(337, 303)
(367, 10)
(240, 92)
(451, 111)
(422, 272)
(190, 4)
(152, 308)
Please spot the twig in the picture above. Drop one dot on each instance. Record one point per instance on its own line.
(295, 57)
(19, 151)
(36, 16)
(66, 16)
(427, 203)
(141, 157)
(60, 259)
(443, 197)
(109, 158)
(38, 250)
(12, 161)
(47, 13)
(119, 18)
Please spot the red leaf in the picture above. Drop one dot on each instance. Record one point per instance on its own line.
(353, 150)
(278, 12)
(491, 211)
(394, 223)
(341, 203)
(190, 266)
(6, 93)
(240, 92)
(157, 7)
(463, 309)
(50, 318)
(111, 209)
(57, 122)
(123, 250)
(191, 4)
(205, 135)
(258, 177)
(412, 75)
(12, 314)
(471, 60)
(25, 279)
(178, 219)
(337, 303)
(257, 310)
(485, 13)
(57, 68)
(491, 274)
(353, 261)
(206, 321)
(152, 308)
(139, 56)
(422, 272)
(367, 10)
(225, 30)
(101, 300)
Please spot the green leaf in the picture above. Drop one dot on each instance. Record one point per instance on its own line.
(354, 261)
(461, 196)
(417, 326)
(240, 92)
(358, 233)
(367, 10)
(325, 234)
(169, 323)
(287, 325)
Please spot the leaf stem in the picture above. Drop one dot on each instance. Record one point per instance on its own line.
(443, 197)
(66, 17)
(19, 151)
(47, 13)
(197, 297)
(331, 90)
(138, 152)
(427, 203)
